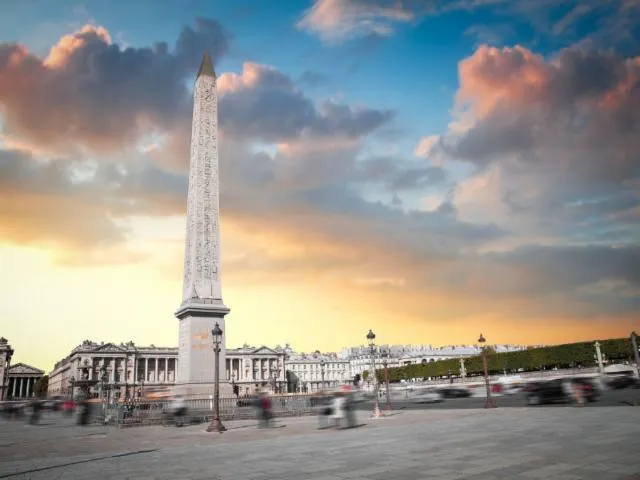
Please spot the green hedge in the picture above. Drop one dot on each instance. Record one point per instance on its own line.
(560, 356)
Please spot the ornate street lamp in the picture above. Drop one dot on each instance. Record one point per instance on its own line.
(103, 377)
(322, 365)
(489, 402)
(371, 337)
(273, 374)
(216, 424)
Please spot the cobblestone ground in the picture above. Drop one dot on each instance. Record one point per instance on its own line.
(517, 443)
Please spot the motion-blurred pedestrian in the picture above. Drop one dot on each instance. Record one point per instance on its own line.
(264, 410)
(36, 408)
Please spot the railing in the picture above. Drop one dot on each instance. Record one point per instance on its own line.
(153, 412)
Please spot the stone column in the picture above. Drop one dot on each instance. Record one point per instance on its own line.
(155, 362)
(166, 370)
(146, 370)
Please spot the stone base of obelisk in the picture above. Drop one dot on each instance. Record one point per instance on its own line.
(196, 357)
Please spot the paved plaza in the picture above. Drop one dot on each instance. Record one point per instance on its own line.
(518, 443)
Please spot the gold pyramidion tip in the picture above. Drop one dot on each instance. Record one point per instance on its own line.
(206, 67)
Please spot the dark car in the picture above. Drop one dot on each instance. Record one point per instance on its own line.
(623, 381)
(559, 391)
(455, 392)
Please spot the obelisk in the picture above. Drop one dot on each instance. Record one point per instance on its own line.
(202, 304)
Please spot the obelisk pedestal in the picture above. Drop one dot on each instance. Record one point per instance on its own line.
(202, 304)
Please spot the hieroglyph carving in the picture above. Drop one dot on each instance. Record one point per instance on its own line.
(202, 256)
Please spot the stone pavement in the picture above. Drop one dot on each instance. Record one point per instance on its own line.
(560, 443)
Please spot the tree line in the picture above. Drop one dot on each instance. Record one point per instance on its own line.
(572, 355)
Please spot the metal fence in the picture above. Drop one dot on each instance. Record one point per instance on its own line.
(154, 412)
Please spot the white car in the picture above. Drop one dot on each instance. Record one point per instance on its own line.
(425, 396)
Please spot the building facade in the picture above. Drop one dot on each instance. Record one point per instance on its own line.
(130, 371)
(127, 370)
(18, 381)
(6, 353)
(114, 371)
(312, 372)
(254, 368)
(22, 381)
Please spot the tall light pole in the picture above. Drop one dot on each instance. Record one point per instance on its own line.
(598, 358)
(489, 402)
(216, 424)
(322, 365)
(371, 337)
(386, 381)
(636, 355)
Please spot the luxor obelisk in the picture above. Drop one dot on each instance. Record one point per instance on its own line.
(202, 304)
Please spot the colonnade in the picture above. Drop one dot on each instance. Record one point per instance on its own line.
(21, 386)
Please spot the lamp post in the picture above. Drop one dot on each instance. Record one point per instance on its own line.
(489, 402)
(636, 355)
(273, 373)
(216, 424)
(386, 382)
(598, 358)
(322, 365)
(72, 380)
(376, 407)
(103, 376)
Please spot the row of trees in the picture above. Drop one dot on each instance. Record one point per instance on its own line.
(573, 355)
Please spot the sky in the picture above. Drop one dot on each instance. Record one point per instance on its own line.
(428, 169)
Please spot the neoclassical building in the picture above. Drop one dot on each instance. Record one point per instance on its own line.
(127, 370)
(17, 382)
(123, 370)
(316, 371)
(253, 368)
(6, 352)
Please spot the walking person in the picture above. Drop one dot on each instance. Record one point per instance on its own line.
(179, 407)
(349, 411)
(265, 413)
(324, 411)
(36, 407)
(337, 407)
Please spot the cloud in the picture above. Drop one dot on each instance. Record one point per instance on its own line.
(79, 210)
(301, 183)
(264, 103)
(90, 92)
(336, 20)
(611, 24)
(555, 144)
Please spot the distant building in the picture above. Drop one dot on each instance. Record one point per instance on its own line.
(400, 355)
(254, 368)
(16, 381)
(6, 352)
(316, 371)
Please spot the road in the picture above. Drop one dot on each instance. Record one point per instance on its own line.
(608, 398)
(503, 443)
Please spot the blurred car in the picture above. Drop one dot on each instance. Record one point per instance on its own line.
(623, 381)
(425, 396)
(54, 403)
(559, 390)
(455, 392)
